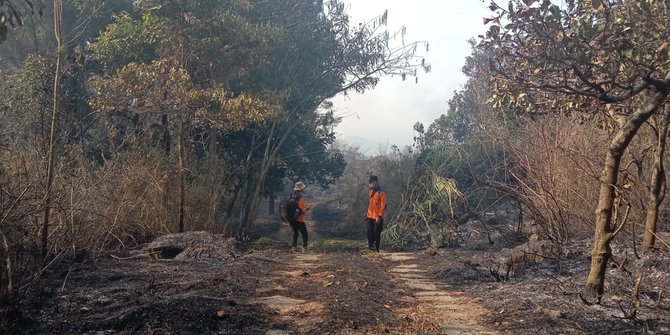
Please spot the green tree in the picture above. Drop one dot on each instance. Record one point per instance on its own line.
(317, 56)
(195, 51)
(467, 146)
(308, 156)
(86, 19)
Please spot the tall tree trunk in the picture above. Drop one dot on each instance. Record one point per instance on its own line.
(58, 9)
(168, 182)
(182, 176)
(232, 217)
(271, 203)
(7, 253)
(251, 203)
(167, 145)
(269, 158)
(519, 228)
(604, 229)
(212, 157)
(657, 185)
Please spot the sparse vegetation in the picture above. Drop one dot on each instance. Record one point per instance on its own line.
(138, 140)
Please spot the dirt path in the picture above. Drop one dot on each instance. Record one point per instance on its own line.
(429, 306)
(450, 311)
(306, 315)
(265, 291)
(332, 289)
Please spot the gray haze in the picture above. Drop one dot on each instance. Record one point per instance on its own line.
(385, 115)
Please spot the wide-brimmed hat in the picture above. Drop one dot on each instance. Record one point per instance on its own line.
(299, 186)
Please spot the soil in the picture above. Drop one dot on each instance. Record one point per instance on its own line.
(263, 291)
(546, 298)
(274, 291)
(338, 287)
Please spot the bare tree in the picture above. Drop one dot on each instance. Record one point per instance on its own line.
(58, 9)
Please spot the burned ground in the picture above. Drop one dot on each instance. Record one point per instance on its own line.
(222, 287)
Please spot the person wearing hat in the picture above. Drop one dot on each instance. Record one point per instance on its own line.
(298, 225)
(375, 213)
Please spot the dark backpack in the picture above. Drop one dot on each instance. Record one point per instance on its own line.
(288, 208)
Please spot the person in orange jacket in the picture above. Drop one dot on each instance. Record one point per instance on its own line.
(298, 225)
(375, 213)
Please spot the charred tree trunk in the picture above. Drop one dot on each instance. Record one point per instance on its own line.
(271, 203)
(9, 273)
(167, 149)
(167, 145)
(657, 185)
(519, 228)
(605, 231)
(182, 176)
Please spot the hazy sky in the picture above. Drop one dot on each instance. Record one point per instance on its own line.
(386, 114)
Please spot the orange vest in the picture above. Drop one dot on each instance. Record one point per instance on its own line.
(303, 210)
(377, 206)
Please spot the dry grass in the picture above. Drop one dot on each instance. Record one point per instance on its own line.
(120, 204)
(557, 165)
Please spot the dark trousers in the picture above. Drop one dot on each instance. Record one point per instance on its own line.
(374, 233)
(299, 227)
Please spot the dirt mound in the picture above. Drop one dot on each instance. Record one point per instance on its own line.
(193, 245)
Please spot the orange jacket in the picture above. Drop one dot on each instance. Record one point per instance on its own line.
(377, 206)
(303, 210)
